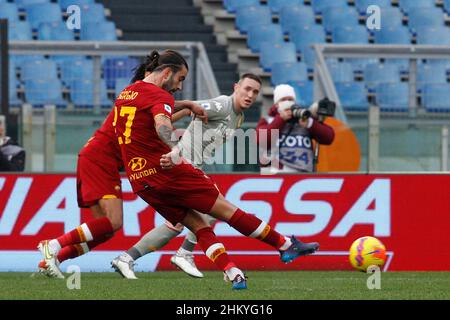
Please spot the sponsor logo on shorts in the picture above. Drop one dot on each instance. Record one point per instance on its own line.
(137, 164)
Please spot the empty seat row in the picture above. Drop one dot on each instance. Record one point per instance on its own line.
(74, 68)
(39, 92)
(319, 6)
(74, 73)
(37, 13)
(393, 96)
(46, 19)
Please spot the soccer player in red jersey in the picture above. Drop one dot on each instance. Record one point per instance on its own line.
(175, 188)
(98, 188)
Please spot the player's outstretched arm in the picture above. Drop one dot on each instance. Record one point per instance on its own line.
(195, 108)
(180, 114)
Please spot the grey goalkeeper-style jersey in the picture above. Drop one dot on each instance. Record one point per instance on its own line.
(200, 140)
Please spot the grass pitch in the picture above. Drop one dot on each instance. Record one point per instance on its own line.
(293, 285)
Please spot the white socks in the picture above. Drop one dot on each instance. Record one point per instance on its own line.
(182, 252)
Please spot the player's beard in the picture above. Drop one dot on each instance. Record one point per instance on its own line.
(168, 85)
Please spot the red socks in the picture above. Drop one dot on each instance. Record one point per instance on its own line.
(250, 226)
(213, 249)
(87, 232)
(76, 250)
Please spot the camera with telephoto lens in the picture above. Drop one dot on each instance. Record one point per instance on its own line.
(326, 107)
(299, 113)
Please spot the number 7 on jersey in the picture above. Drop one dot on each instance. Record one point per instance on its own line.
(130, 112)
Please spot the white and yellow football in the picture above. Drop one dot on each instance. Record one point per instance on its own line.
(367, 251)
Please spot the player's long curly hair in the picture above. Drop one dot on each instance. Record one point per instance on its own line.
(156, 62)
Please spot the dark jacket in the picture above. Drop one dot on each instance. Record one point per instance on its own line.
(12, 156)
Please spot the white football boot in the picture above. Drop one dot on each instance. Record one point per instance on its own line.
(186, 263)
(50, 267)
(124, 265)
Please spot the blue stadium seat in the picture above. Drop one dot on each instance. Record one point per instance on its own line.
(23, 4)
(13, 85)
(339, 17)
(304, 92)
(436, 97)
(94, 12)
(425, 17)
(391, 17)
(393, 96)
(55, 31)
(61, 60)
(98, 31)
(118, 67)
(43, 12)
(264, 33)
(66, 3)
(407, 5)
(20, 30)
(284, 72)
(276, 5)
(442, 63)
(362, 5)
(44, 69)
(355, 34)
(21, 59)
(430, 73)
(39, 92)
(380, 73)
(304, 37)
(392, 35)
(332, 60)
(402, 64)
(320, 5)
(447, 6)
(82, 93)
(121, 83)
(9, 11)
(77, 70)
(360, 64)
(232, 5)
(273, 53)
(251, 16)
(341, 72)
(352, 95)
(433, 36)
(296, 17)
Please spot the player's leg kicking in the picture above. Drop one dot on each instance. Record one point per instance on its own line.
(177, 202)
(247, 224)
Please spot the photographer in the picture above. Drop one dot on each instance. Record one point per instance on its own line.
(297, 127)
(12, 156)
